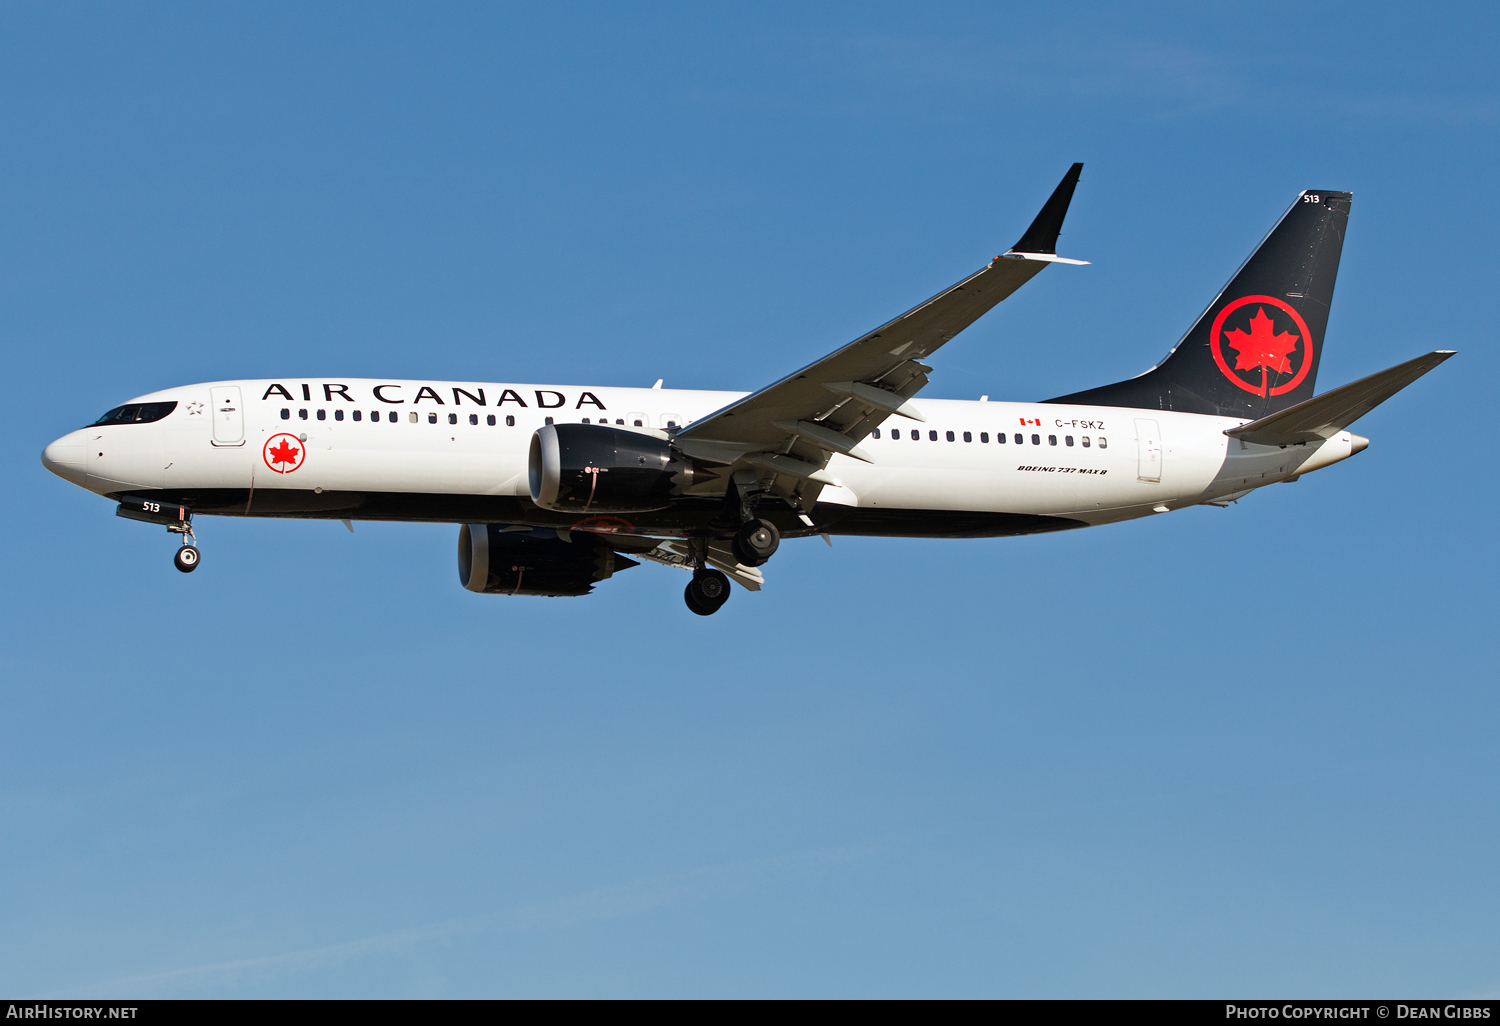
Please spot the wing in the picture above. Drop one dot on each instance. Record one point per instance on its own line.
(786, 433)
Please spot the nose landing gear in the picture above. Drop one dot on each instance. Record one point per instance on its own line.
(187, 557)
(177, 519)
(708, 590)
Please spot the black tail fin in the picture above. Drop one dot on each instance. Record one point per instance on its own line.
(1255, 350)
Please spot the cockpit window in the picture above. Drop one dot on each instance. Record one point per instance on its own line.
(136, 413)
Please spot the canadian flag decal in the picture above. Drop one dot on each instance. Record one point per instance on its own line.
(1031, 420)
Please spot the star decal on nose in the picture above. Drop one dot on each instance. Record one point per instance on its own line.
(194, 409)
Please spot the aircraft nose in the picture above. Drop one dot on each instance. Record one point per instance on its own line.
(65, 457)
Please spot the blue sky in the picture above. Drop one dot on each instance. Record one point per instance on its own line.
(1246, 751)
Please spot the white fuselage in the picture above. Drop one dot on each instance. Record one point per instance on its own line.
(1091, 465)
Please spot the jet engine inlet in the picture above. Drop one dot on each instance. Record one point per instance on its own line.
(600, 469)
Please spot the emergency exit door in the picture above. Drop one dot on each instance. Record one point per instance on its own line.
(229, 415)
(1148, 442)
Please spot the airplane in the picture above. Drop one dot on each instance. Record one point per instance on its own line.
(556, 488)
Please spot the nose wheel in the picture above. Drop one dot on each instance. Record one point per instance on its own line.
(708, 590)
(186, 558)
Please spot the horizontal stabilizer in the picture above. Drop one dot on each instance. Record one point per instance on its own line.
(1326, 415)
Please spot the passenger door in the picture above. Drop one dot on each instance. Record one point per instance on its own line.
(229, 415)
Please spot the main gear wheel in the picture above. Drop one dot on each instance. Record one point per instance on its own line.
(706, 592)
(756, 542)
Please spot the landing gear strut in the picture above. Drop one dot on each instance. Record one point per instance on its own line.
(708, 590)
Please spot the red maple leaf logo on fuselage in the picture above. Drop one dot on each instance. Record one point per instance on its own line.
(284, 453)
(1262, 346)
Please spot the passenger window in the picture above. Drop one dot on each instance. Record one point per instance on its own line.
(585, 420)
(1085, 441)
(510, 420)
(916, 436)
(950, 436)
(393, 418)
(301, 414)
(338, 414)
(1036, 439)
(968, 437)
(876, 432)
(357, 415)
(411, 417)
(1051, 439)
(489, 419)
(1068, 439)
(984, 436)
(619, 421)
(1019, 439)
(452, 418)
(432, 418)
(322, 414)
(286, 414)
(932, 435)
(637, 423)
(474, 419)
(1103, 443)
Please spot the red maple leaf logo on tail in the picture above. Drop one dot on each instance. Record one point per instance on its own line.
(1262, 346)
(284, 453)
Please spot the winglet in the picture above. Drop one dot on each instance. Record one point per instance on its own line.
(1041, 237)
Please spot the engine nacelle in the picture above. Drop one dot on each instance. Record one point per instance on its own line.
(601, 469)
(496, 560)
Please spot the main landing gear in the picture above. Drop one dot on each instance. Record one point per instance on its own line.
(708, 590)
(755, 542)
